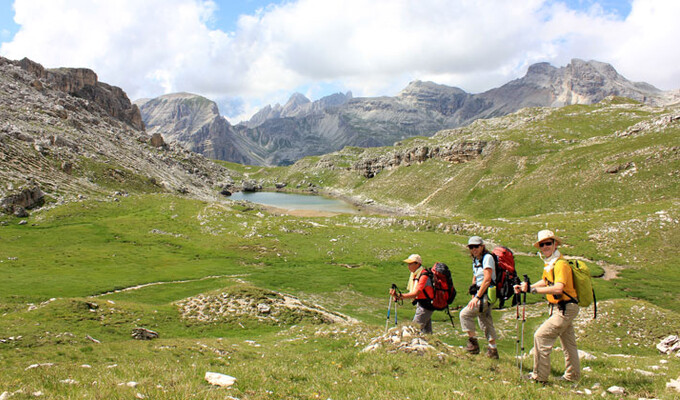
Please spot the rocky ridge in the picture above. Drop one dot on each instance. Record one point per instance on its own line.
(66, 135)
(280, 135)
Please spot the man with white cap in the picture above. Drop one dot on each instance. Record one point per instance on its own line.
(483, 276)
(557, 280)
(416, 286)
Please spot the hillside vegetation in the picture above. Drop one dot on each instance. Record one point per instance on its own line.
(295, 307)
(605, 177)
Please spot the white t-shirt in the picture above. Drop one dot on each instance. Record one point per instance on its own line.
(478, 270)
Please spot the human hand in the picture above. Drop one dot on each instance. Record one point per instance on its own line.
(473, 303)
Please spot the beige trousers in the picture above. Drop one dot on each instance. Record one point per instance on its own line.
(467, 320)
(558, 325)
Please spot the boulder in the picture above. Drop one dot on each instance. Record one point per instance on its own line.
(669, 345)
(157, 140)
(250, 185)
(144, 334)
(27, 198)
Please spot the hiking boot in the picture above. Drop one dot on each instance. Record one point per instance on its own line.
(472, 346)
(533, 378)
(571, 383)
(492, 353)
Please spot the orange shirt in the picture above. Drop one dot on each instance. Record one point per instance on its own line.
(420, 283)
(560, 273)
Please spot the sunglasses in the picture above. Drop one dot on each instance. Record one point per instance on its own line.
(473, 246)
(545, 244)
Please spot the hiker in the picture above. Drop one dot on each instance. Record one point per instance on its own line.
(557, 280)
(483, 276)
(416, 285)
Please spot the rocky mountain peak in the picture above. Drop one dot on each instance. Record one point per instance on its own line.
(295, 105)
(419, 89)
(279, 135)
(174, 114)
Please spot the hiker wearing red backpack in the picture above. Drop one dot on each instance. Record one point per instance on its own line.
(483, 276)
(557, 281)
(416, 290)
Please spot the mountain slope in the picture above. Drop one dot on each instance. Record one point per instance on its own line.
(279, 135)
(69, 135)
(605, 176)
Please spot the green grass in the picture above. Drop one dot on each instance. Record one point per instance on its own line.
(343, 263)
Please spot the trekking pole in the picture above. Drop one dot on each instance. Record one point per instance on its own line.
(516, 300)
(448, 312)
(524, 318)
(396, 303)
(389, 308)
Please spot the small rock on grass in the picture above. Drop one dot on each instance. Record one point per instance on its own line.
(674, 384)
(219, 379)
(616, 390)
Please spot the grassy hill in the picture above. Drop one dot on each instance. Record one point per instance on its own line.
(605, 177)
(79, 277)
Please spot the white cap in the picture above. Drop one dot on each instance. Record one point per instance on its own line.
(414, 258)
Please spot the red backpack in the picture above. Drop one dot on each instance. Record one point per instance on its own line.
(439, 288)
(506, 275)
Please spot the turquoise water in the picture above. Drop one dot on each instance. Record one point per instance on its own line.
(290, 201)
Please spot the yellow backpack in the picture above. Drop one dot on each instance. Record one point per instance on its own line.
(583, 283)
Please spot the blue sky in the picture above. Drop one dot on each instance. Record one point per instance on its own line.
(246, 54)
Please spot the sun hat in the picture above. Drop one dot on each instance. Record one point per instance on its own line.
(414, 258)
(546, 235)
(475, 240)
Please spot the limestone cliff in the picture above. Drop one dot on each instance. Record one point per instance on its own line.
(83, 83)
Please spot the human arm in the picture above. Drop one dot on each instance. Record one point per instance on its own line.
(417, 288)
(541, 287)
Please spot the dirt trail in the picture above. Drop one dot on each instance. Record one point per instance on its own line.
(127, 289)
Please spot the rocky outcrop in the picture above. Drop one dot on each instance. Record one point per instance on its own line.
(454, 153)
(25, 199)
(245, 304)
(406, 339)
(83, 83)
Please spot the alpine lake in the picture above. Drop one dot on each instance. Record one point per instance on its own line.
(297, 202)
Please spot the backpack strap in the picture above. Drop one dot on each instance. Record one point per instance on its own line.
(427, 301)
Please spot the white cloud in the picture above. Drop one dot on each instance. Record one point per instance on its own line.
(153, 47)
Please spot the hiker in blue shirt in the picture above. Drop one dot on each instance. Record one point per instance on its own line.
(483, 276)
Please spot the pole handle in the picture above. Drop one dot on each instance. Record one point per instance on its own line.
(526, 279)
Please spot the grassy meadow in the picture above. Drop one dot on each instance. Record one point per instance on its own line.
(65, 271)
(78, 278)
